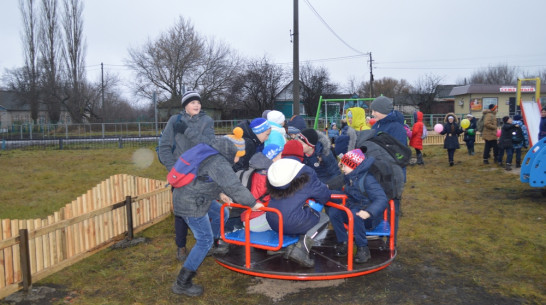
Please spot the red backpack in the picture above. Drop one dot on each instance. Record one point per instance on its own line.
(185, 169)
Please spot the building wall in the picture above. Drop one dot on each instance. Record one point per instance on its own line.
(476, 103)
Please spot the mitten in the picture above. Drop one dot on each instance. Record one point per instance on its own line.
(180, 127)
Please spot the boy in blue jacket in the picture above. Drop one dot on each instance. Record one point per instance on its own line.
(366, 200)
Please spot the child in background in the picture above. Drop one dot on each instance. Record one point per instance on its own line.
(290, 184)
(470, 134)
(416, 140)
(259, 163)
(517, 144)
(505, 142)
(366, 200)
(452, 130)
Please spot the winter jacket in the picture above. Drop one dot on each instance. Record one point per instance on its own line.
(200, 129)
(505, 139)
(299, 217)
(542, 128)
(346, 140)
(359, 119)
(416, 140)
(473, 125)
(452, 132)
(322, 160)
(258, 186)
(489, 125)
(252, 145)
(393, 124)
(374, 200)
(333, 134)
(277, 135)
(525, 142)
(215, 175)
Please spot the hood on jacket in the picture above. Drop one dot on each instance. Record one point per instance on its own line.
(418, 116)
(226, 148)
(359, 118)
(455, 118)
(325, 142)
(260, 161)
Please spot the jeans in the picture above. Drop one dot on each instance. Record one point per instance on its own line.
(214, 215)
(202, 232)
(509, 154)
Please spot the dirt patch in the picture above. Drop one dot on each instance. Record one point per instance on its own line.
(276, 290)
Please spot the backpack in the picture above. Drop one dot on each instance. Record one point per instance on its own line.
(385, 168)
(481, 123)
(425, 132)
(178, 118)
(400, 152)
(517, 134)
(186, 167)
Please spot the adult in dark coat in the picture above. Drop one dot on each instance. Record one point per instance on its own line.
(452, 130)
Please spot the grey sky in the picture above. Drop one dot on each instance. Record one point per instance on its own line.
(408, 38)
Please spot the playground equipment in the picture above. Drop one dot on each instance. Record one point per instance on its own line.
(530, 110)
(533, 168)
(251, 252)
(334, 106)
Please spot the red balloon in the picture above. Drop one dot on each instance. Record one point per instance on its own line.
(372, 121)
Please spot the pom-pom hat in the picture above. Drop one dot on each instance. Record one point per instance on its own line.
(353, 158)
(281, 173)
(237, 139)
(190, 96)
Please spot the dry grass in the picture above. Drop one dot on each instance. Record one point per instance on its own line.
(470, 234)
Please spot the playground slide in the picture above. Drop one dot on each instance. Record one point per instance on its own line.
(531, 117)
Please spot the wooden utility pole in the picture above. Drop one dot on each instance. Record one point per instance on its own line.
(371, 76)
(296, 63)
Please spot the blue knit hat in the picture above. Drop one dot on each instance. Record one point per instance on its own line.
(259, 125)
(271, 151)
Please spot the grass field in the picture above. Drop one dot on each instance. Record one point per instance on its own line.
(469, 234)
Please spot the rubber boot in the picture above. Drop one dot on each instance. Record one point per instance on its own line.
(362, 255)
(183, 284)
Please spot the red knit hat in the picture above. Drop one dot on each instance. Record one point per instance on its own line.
(293, 148)
(353, 158)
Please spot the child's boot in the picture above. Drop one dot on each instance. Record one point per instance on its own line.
(340, 249)
(362, 255)
(508, 167)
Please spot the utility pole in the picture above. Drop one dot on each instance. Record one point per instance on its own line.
(371, 76)
(102, 86)
(296, 62)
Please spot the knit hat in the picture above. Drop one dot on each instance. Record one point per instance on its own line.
(382, 104)
(276, 116)
(264, 114)
(505, 119)
(492, 107)
(517, 117)
(296, 125)
(309, 136)
(293, 148)
(237, 139)
(353, 158)
(259, 125)
(271, 151)
(469, 115)
(282, 172)
(190, 96)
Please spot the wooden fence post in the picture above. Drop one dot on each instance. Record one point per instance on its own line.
(129, 206)
(24, 254)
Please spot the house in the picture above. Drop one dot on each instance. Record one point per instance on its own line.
(14, 111)
(475, 98)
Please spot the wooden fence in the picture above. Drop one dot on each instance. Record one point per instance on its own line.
(437, 139)
(32, 249)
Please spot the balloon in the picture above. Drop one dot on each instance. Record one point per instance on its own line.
(372, 121)
(498, 133)
(470, 132)
(465, 123)
(438, 128)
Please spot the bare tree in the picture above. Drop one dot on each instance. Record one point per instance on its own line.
(76, 103)
(255, 89)
(26, 81)
(165, 65)
(386, 86)
(51, 59)
(424, 91)
(315, 82)
(494, 75)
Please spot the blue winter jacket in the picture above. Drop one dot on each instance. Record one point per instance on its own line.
(323, 160)
(298, 217)
(374, 200)
(393, 124)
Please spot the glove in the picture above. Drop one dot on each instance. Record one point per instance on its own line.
(180, 127)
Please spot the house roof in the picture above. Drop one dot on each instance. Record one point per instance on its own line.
(11, 102)
(444, 91)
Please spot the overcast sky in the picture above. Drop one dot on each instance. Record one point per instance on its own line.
(408, 39)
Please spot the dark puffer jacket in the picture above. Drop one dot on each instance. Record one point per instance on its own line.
(452, 132)
(323, 160)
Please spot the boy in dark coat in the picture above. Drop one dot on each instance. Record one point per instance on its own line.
(290, 185)
(505, 142)
(366, 200)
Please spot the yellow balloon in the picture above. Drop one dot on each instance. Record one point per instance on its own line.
(465, 123)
